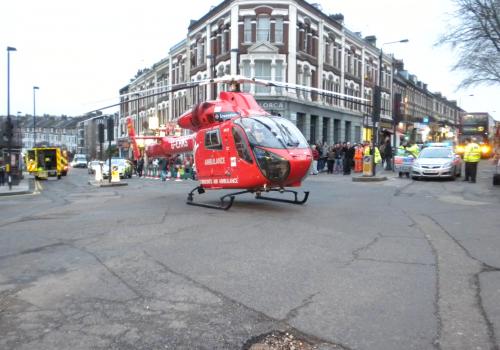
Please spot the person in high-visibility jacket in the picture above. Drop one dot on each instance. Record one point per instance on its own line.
(368, 151)
(472, 155)
(31, 165)
(358, 159)
(413, 149)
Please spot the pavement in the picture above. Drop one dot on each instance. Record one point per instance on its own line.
(105, 183)
(26, 185)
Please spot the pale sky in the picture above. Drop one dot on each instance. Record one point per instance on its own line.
(81, 53)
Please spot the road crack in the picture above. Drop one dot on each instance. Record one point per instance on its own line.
(295, 311)
(111, 271)
(278, 323)
(462, 320)
(356, 252)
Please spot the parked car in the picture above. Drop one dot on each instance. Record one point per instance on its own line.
(437, 162)
(403, 161)
(124, 167)
(92, 165)
(79, 161)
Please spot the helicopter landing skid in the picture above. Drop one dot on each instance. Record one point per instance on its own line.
(201, 190)
(295, 201)
(226, 205)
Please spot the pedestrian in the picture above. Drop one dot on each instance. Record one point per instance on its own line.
(315, 153)
(140, 167)
(348, 158)
(388, 154)
(163, 169)
(338, 159)
(381, 148)
(472, 155)
(321, 153)
(368, 151)
(358, 158)
(330, 159)
(413, 149)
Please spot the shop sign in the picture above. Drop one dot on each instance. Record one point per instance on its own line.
(420, 126)
(270, 105)
(367, 121)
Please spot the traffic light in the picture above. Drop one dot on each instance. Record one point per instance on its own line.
(111, 129)
(8, 130)
(396, 110)
(377, 103)
(101, 133)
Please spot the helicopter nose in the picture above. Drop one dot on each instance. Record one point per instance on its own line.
(299, 166)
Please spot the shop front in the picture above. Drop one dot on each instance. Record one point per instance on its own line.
(318, 123)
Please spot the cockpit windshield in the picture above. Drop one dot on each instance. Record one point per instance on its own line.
(272, 132)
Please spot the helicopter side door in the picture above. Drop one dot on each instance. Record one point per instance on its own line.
(211, 154)
(240, 158)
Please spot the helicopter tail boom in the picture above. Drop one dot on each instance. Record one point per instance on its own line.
(131, 134)
(170, 146)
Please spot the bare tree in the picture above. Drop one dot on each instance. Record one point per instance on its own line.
(476, 38)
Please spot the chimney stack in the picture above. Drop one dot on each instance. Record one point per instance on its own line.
(371, 39)
(338, 17)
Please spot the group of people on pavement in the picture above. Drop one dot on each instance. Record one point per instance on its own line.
(344, 157)
(337, 158)
(166, 168)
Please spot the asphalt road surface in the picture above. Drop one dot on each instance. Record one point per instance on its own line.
(399, 264)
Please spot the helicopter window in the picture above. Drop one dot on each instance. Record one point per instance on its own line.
(212, 140)
(272, 132)
(241, 145)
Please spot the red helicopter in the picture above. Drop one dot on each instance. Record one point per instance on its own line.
(236, 144)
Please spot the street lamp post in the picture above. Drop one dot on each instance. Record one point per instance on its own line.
(34, 115)
(377, 103)
(9, 121)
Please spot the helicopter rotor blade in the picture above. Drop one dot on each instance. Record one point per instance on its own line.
(228, 79)
(174, 88)
(231, 79)
(307, 89)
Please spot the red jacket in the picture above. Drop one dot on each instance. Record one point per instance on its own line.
(315, 154)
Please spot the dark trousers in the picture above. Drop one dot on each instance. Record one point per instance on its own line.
(321, 164)
(388, 163)
(470, 171)
(347, 165)
(329, 164)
